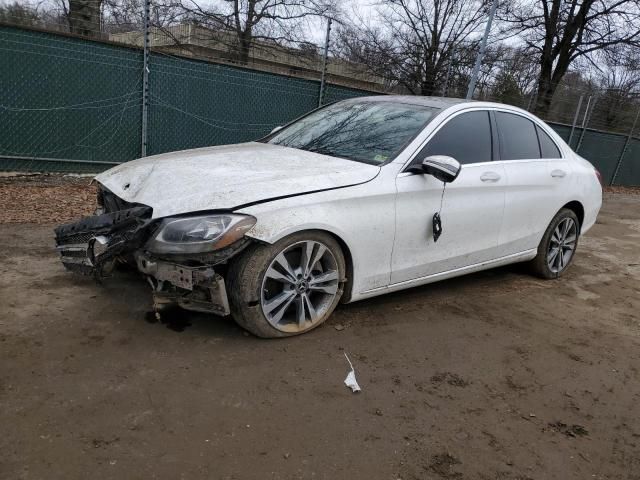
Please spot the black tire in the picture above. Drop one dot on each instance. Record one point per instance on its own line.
(540, 265)
(245, 279)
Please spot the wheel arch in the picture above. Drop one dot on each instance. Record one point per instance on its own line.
(337, 236)
(577, 208)
(348, 261)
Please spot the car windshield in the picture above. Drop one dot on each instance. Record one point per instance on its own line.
(371, 132)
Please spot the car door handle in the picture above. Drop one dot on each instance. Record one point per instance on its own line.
(490, 177)
(558, 173)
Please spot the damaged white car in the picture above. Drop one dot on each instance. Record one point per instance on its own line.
(356, 199)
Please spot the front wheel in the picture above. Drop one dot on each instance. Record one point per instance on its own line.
(287, 288)
(558, 245)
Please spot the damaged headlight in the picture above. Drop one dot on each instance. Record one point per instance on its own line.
(199, 234)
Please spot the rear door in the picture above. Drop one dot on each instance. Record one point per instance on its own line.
(525, 151)
(472, 206)
(559, 171)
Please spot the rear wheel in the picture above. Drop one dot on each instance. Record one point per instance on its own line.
(558, 245)
(287, 288)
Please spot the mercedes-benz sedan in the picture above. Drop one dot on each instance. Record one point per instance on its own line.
(359, 198)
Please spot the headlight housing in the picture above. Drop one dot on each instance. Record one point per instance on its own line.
(199, 234)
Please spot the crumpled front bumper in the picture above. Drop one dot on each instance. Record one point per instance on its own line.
(93, 245)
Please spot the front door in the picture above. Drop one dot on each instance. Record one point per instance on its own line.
(472, 206)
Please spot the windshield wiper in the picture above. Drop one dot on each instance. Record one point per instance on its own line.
(320, 150)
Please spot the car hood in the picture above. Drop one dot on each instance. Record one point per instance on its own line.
(230, 176)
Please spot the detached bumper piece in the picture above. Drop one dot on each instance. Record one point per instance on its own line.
(197, 288)
(91, 245)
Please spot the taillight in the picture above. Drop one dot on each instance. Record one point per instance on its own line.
(599, 175)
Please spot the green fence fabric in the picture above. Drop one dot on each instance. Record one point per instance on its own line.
(563, 130)
(335, 93)
(74, 105)
(196, 103)
(604, 150)
(629, 173)
(67, 98)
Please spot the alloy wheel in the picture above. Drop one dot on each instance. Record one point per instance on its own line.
(562, 245)
(300, 286)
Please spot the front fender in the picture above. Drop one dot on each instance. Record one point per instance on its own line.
(362, 217)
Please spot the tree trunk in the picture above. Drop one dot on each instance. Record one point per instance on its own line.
(427, 88)
(548, 82)
(243, 47)
(428, 84)
(544, 94)
(84, 17)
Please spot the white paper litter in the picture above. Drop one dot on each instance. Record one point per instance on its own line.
(350, 381)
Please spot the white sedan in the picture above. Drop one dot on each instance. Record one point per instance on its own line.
(359, 198)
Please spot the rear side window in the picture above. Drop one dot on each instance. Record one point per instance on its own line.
(547, 146)
(518, 138)
(466, 137)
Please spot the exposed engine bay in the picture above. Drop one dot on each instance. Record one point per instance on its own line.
(120, 234)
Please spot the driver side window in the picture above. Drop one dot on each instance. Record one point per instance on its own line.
(466, 137)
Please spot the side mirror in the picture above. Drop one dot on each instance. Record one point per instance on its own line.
(279, 127)
(446, 169)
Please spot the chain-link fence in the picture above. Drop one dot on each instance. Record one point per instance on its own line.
(73, 104)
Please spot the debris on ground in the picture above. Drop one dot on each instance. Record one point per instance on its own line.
(350, 381)
(45, 198)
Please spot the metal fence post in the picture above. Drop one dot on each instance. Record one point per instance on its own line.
(575, 119)
(483, 47)
(532, 97)
(624, 149)
(585, 122)
(324, 63)
(445, 87)
(145, 77)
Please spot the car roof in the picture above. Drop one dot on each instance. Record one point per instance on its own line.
(437, 102)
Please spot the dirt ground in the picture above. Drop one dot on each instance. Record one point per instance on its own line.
(496, 375)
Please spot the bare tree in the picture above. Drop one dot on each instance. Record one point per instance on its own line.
(85, 17)
(128, 15)
(619, 85)
(16, 13)
(277, 21)
(412, 42)
(562, 31)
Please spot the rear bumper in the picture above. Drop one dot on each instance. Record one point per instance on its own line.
(591, 215)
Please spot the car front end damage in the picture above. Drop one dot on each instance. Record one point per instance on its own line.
(184, 258)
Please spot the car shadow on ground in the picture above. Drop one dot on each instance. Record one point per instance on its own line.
(126, 285)
(178, 320)
(446, 289)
